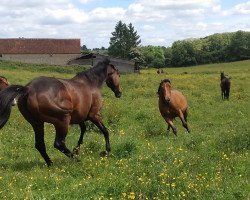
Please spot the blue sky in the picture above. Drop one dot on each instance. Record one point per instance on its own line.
(158, 22)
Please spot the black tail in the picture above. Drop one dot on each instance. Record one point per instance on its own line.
(6, 98)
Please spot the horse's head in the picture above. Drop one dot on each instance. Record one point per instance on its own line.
(164, 90)
(3, 83)
(113, 80)
(222, 75)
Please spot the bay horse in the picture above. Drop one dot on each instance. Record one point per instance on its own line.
(172, 104)
(225, 86)
(62, 102)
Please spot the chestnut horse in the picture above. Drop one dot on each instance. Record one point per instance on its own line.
(225, 86)
(4, 83)
(62, 102)
(172, 104)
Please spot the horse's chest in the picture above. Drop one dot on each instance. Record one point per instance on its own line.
(167, 110)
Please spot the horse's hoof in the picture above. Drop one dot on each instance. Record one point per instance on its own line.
(104, 154)
(76, 151)
(76, 159)
(49, 163)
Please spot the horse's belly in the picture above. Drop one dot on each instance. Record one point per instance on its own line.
(80, 113)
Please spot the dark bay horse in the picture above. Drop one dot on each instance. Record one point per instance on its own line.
(62, 102)
(172, 104)
(225, 86)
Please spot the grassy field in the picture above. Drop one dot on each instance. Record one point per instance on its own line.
(212, 162)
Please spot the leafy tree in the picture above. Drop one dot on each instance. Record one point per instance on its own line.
(239, 48)
(168, 56)
(183, 54)
(135, 54)
(153, 56)
(84, 49)
(123, 39)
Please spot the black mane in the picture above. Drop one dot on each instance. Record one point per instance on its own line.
(95, 73)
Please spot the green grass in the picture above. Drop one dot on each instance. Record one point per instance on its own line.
(212, 162)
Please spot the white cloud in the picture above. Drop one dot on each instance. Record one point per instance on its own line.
(107, 14)
(157, 22)
(148, 28)
(85, 1)
(240, 9)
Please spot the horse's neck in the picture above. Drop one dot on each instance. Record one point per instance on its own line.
(222, 76)
(94, 77)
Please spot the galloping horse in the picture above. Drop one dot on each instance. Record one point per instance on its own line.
(225, 86)
(172, 104)
(62, 102)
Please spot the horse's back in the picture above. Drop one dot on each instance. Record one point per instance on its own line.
(225, 83)
(51, 98)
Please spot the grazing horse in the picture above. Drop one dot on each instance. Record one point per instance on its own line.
(62, 102)
(172, 104)
(225, 86)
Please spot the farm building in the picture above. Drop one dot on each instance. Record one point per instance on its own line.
(40, 51)
(54, 52)
(125, 66)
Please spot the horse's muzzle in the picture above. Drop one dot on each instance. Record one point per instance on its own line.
(167, 100)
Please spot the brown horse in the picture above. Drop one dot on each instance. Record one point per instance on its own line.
(4, 83)
(62, 102)
(225, 86)
(172, 104)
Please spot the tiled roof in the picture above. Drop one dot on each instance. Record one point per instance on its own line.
(39, 46)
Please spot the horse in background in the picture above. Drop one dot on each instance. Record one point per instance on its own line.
(225, 86)
(62, 102)
(172, 104)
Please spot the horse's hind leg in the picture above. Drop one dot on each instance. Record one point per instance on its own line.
(76, 150)
(183, 118)
(39, 142)
(61, 132)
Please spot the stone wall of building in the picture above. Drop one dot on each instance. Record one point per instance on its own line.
(51, 59)
(124, 66)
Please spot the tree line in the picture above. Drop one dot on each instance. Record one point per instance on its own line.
(224, 47)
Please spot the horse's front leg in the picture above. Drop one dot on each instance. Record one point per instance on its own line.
(171, 124)
(96, 119)
(76, 150)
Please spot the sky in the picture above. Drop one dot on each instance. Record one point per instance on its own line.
(157, 22)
